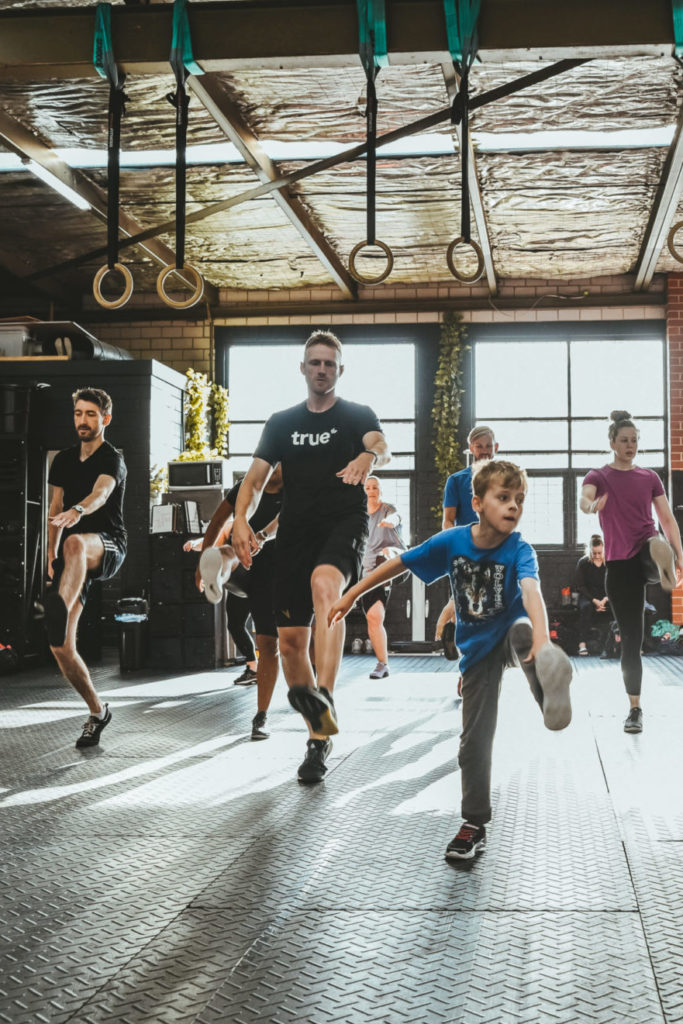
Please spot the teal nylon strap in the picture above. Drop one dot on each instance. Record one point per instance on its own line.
(372, 33)
(181, 45)
(103, 50)
(461, 28)
(677, 11)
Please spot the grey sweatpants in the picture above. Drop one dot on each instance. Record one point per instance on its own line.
(480, 693)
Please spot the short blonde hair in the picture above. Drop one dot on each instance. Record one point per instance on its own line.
(480, 431)
(324, 338)
(486, 473)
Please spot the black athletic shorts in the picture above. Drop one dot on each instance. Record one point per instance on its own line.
(377, 594)
(112, 560)
(340, 543)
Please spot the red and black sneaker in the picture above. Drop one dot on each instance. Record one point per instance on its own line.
(470, 840)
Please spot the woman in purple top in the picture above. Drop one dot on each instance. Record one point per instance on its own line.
(623, 495)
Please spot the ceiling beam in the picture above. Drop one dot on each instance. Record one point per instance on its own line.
(26, 145)
(663, 211)
(476, 201)
(46, 43)
(213, 96)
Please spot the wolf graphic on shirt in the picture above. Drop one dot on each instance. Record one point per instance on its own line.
(478, 588)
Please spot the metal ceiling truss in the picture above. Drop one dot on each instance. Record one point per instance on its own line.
(353, 153)
(26, 145)
(663, 210)
(49, 44)
(226, 115)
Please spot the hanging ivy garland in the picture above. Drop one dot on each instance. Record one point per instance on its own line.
(206, 418)
(448, 391)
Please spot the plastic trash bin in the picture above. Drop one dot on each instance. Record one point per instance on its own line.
(132, 614)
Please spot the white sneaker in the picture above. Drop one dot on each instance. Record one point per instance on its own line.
(380, 671)
(554, 671)
(357, 646)
(367, 646)
(211, 572)
(662, 555)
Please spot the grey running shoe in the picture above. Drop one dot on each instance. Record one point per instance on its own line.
(90, 736)
(211, 572)
(367, 646)
(554, 671)
(662, 555)
(258, 726)
(313, 767)
(380, 671)
(634, 722)
(248, 678)
(470, 840)
(316, 706)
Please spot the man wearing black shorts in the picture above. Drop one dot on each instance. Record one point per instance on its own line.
(86, 541)
(326, 446)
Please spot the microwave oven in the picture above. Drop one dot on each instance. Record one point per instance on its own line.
(202, 473)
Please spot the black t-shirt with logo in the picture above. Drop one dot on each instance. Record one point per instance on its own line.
(312, 447)
(77, 479)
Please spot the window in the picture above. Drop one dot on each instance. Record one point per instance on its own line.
(548, 394)
(263, 378)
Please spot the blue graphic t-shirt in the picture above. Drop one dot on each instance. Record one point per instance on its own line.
(458, 495)
(485, 583)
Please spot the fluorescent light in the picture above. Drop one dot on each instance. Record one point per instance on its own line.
(55, 183)
(510, 142)
(10, 162)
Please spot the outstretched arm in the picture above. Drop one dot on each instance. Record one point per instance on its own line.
(589, 503)
(376, 454)
(104, 485)
(244, 540)
(382, 574)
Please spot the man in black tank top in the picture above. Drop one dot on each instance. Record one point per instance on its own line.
(326, 446)
(86, 541)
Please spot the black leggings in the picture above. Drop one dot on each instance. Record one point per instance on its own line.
(237, 609)
(625, 585)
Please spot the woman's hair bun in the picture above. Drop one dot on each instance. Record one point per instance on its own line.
(619, 414)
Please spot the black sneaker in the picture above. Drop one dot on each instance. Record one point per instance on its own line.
(90, 736)
(248, 678)
(316, 706)
(258, 726)
(634, 722)
(313, 767)
(470, 840)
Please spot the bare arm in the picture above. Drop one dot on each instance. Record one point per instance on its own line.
(671, 531)
(449, 515)
(54, 533)
(356, 472)
(589, 504)
(219, 521)
(535, 608)
(244, 541)
(382, 574)
(447, 615)
(104, 485)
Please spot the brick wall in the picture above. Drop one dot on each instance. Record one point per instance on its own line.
(675, 345)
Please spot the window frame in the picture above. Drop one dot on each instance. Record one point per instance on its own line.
(568, 332)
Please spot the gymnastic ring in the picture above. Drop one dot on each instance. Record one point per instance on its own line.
(196, 294)
(670, 241)
(127, 291)
(457, 274)
(380, 277)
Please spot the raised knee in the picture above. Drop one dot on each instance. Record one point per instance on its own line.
(73, 545)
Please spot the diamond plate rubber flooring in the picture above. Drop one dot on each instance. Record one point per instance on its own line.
(179, 873)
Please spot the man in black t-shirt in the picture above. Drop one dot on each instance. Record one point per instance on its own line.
(216, 567)
(326, 447)
(86, 541)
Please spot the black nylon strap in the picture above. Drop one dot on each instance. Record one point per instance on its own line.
(465, 225)
(117, 107)
(371, 156)
(180, 101)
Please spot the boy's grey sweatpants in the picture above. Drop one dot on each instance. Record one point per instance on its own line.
(480, 692)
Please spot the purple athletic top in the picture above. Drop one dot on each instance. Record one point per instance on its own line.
(626, 520)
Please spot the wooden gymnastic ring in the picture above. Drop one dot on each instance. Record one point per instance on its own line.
(457, 274)
(127, 291)
(380, 277)
(196, 294)
(670, 241)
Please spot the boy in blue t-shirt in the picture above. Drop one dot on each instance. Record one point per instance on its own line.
(501, 622)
